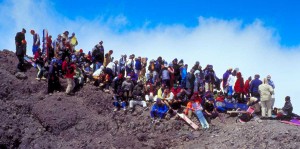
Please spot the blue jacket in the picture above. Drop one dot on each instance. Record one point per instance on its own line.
(270, 82)
(254, 85)
(183, 73)
(138, 65)
(160, 109)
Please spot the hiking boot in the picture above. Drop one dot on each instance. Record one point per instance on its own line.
(106, 91)
(43, 78)
(38, 79)
(115, 109)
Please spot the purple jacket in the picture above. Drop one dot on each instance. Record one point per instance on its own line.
(225, 78)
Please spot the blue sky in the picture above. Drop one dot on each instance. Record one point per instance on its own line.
(257, 37)
(282, 16)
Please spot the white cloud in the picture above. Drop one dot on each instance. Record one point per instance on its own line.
(253, 47)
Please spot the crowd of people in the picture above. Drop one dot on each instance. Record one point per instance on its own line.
(167, 88)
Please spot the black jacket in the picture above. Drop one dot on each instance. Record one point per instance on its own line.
(288, 107)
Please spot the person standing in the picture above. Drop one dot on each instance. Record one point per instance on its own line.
(98, 56)
(247, 86)
(265, 91)
(271, 83)
(36, 41)
(108, 58)
(254, 86)
(73, 41)
(50, 53)
(225, 80)
(20, 48)
(239, 87)
(53, 78)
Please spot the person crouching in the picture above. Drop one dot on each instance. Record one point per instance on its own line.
(119, 101)
(70, 78)
(159, 110)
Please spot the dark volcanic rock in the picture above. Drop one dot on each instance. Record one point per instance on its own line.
(31, 119)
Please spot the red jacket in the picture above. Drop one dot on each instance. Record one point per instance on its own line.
(64, 66)
(71, 71)
(175, 91)
(220, 98)
(239, 84)
(247, 86)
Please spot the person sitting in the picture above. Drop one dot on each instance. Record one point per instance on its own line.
(159, 109)
(175, 89)
(230, 99)
(119, 101)
(210, 112)
(134, 77)
(117, 82)
(168, 96)
(253, 103)
(138, 92)
(220, 102)
(194, 105)
(149, 92)
(160, 91)
(87, 73)
(183, 96)
(127, 87)
(287, 109)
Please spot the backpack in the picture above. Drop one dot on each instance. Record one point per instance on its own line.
(244, 117)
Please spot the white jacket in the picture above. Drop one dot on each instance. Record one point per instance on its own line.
(265, 91)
